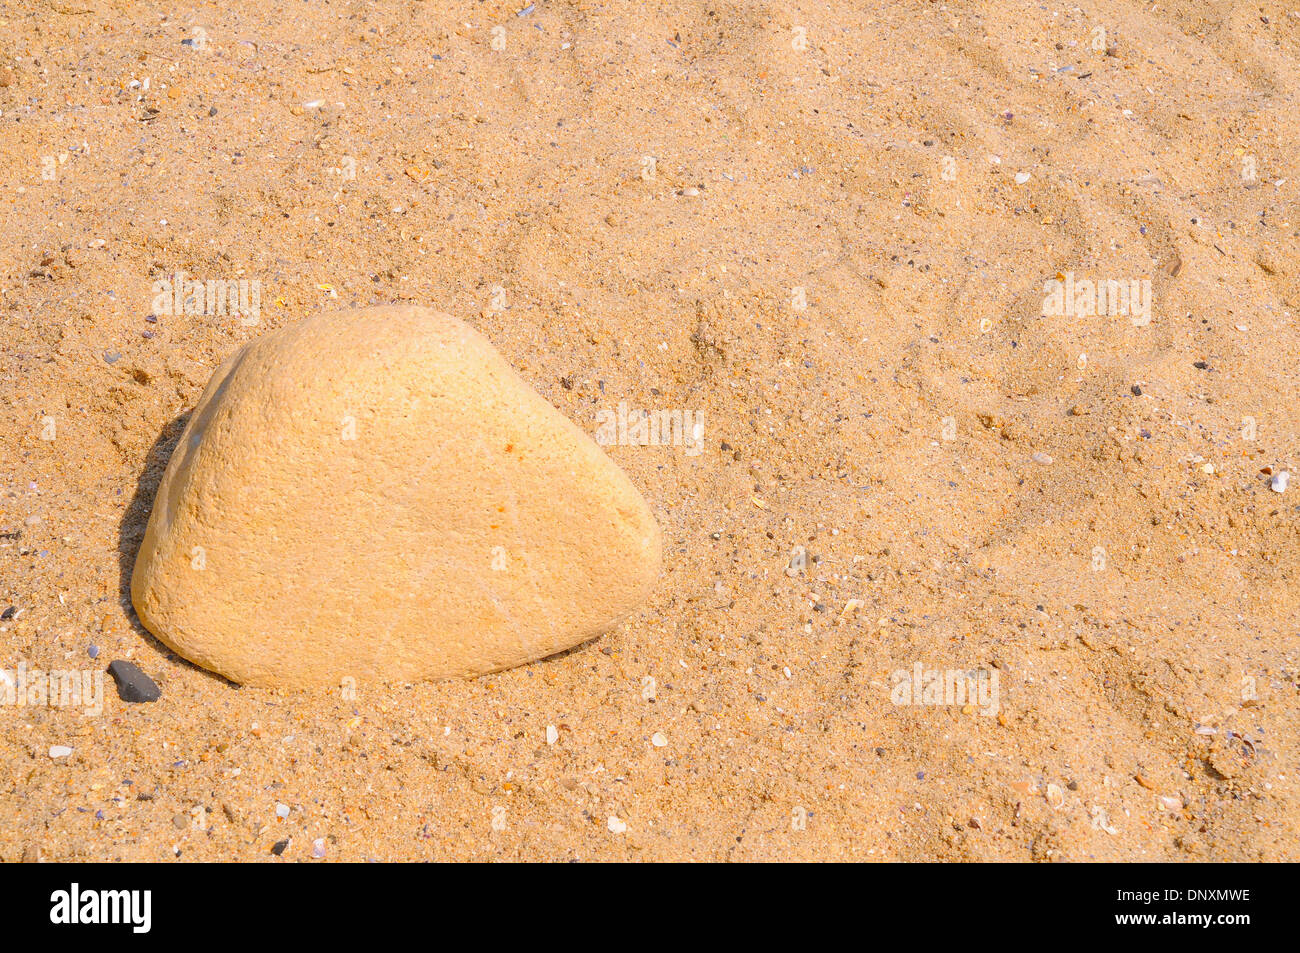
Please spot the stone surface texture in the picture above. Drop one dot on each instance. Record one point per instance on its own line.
(376, 496)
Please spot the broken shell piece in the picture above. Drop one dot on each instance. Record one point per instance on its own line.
(1055, 797)
(1101, 821)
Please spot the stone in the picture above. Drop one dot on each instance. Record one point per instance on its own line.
(375, 496)
(133, 685)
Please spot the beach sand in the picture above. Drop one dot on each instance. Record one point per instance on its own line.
(829, 232)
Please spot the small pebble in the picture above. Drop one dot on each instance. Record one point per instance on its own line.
(133, 685)
(60, 751)
(1042, 458)
(1280, 480)
(281, 811)
(1022, 178)
(615, 825)
(658, 740)
(552, 735)
(92, 651)
(279, 847)
(112, 357)
(1136, 390)
(318, 848)
(8, 613)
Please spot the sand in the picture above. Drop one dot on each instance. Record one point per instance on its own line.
(826, 235)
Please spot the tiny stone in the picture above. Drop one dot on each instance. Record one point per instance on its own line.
(1279, 481)
(8, 613)
(92, 651)
(279, 846)
(133, 685)
(552, 735)
(658, 740)
(60, 751)
(1136, 390)
(1022, 178)
(281, 810)
(318, 847)
(1042, 458)
(616, 826)
(112, 357)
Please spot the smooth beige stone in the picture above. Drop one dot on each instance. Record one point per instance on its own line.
(376, 495)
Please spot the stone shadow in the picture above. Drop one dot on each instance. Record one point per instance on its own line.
(130, 534)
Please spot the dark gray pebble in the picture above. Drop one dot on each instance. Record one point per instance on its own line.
(133, 685)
